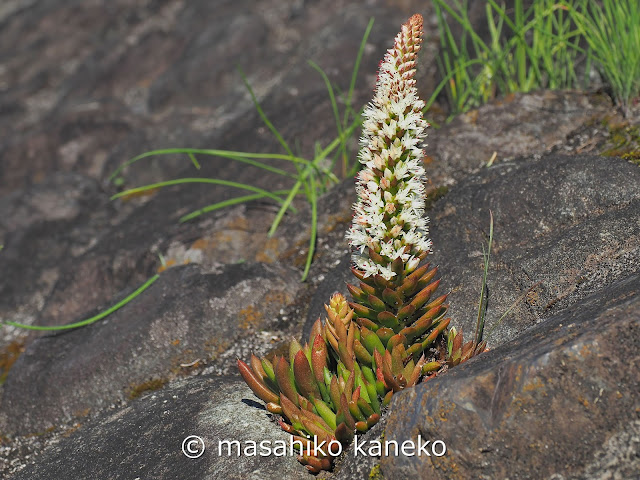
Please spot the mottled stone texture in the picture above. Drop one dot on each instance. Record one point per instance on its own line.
(187, 316)
(561, 399)
(508, 128)
(87, 85)
(120, 78)
(144, 439)
(565, 225)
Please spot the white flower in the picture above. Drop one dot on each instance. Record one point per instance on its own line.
(386, 271)
(390, 206)
(412, 264)
(387, 249)
(372, 186)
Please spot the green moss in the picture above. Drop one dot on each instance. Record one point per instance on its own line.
(375, 473)
(633, 157)
(624, 142)
(150, 385)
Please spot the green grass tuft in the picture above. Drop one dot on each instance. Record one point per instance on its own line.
(526, 50)
(538, 47)
(611, 28)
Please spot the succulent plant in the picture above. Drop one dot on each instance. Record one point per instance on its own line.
(458, 351)
(321, 389)
(393, 334)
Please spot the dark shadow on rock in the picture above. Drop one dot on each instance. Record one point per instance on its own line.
(253, 403)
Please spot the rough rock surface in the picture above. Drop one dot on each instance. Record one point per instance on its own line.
(187, 318)
(84, 86)
(48, 223)
(100, 93)
(565, 225)
(144, 439)
(560, 401)
(518, 125)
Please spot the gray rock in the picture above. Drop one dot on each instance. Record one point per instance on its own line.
(144, 439)
(570, 227)
(102, 95)
(41, 227)
(518, 125)
(84, 86)
(335, 281)
(354, 465)
(186, 318)
(115, 82)
(560, 401)
(567, 226)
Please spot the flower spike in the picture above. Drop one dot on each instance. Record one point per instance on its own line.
(389, 222)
